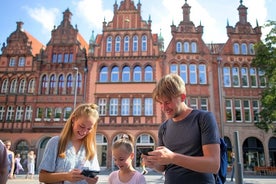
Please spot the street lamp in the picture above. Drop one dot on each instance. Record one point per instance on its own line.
(76, 83)
(219, 59)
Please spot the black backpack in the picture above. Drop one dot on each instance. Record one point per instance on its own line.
(221, 175)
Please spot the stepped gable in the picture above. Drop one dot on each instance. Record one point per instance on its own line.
(21, 42)
(243, 26)
(65, 34)
(127, 16)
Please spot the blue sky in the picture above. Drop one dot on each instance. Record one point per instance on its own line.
(40, 16)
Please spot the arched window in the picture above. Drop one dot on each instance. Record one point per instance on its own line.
(244, 76)
(135, 43)
(244, 48)
(104, 74)
(109, 44)
(117, 43)
(194, 47)
(13, 86)
(193, 74)
(52, 84)
(44, 84)
(251, 49)
(174, 68)
(186, 47)
(235, 77)
(126, 43)
(226, 77)
(60, 84)
(183, 72)
(148, 74)
(69, 83)
(178, 47)
(115, 74)
(202, 74)
(137, 74)
(236, 48)
(22, 86)
(144, 43)
(12, 61)
(126, 74)
(31, 86)
(5, 84)
(253, 77)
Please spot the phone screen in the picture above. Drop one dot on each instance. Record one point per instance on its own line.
(89, 173)
(145, 150)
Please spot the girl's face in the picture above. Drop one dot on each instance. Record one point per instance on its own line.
(82, 126)
(122, 158)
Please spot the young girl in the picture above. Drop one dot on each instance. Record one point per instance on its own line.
(31, 165)
(74, 150)
(123, 154)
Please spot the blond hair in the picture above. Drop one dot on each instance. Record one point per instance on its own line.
(89, 140)
(126, 142)
(169, 86)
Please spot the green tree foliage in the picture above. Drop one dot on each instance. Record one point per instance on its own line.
(265, 61)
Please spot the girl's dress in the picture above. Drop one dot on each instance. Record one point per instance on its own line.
(137, 178)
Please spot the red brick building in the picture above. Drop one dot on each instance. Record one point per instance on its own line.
(118, 69)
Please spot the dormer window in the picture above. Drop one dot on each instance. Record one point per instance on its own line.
(21, 61)
(12, 62)
(236, 48)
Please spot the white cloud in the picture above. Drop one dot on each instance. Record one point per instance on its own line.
(46, 17)
(93, 13)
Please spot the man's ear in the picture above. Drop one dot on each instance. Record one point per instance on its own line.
(183, 97)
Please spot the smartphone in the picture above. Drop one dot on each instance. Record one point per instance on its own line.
(89, 173)
(145, 151)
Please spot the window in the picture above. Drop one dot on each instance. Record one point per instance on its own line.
(243, 48)
(39, 112)
(178, 47)
(22, 86)
(148, 74)
(126, 74)
(137, 74)
(226, 77)
(52, 83)
(186, 47)
(174, 68)
(255, 104)
(60, 84)
(194, 47)
(69, 81)
(126, 43)
(48, 113)
(13, 86)
(247, 115)
(66, 58)
(117, 43)
(5, 84)
(262, 79)
(135, 43)
(104, 74)
(244, 75)
(10, 113)
(21, 61)
(136, 107)
(2, 112)
(193, 78)
(202, 74)
(44, 84)
(236, 48)
(58, 112)
(59, 59)
(253, 77)
(125, 107)
(54, 58)
(79, 81)
(115, 74)
(71, 57)
(19, 113)
(109, 44)
(238, 114)
(183, 72)
(251, 49)
(67, 112)
(236, 76)
(229, 113)
(204, 104)
(113, 107)
(102, 106)
(12, 62)
(28, 113)
(148, 107)
(193, 103)
(144, 43)
(31, 86)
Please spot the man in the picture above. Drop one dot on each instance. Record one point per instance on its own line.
(188, 150)
(3, 163)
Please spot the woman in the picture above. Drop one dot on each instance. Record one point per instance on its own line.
(73, 150)
(31, 165)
